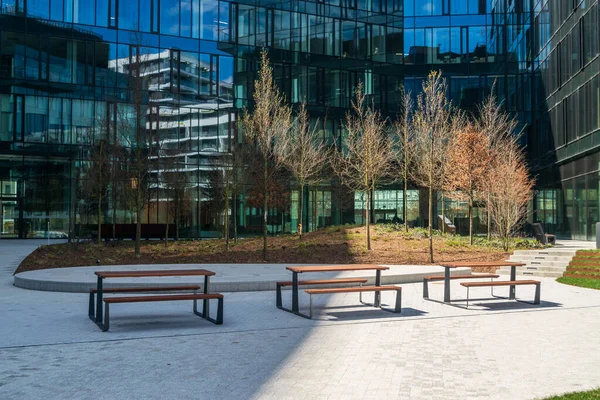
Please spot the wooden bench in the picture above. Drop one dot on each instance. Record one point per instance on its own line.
(441, 278)
(92, 307)
(360, 290)
(279, 302)
(505, 283)
(170, 297)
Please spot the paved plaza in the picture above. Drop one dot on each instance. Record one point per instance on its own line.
(495, 349)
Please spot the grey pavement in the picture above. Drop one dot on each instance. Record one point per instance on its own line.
(496, 349)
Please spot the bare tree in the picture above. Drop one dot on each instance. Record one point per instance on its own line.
(511, 188)
(468, 161)
(176, 188)
(366, 154)
(304, 153)
(405, 147)
(499, 127)
(265, 125)
(433, 127)
(97, 179)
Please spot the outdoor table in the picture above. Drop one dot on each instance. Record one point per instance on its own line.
(334, 268)
(146, 274)
(469, 264)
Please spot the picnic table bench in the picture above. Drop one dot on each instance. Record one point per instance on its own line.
(103, 320)
(360, 290)
(427, 279)
(295, 283)
(505, 283)
(512, 283)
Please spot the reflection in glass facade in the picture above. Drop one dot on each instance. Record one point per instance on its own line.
(67, 66)
(564, 136)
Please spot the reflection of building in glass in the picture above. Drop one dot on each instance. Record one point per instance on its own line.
(67, 70)
(192, 113)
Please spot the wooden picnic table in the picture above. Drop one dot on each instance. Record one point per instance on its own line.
(470, 264)
(98, 317)
(333, 268)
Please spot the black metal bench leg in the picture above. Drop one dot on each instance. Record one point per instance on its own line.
(278, 300)
(398, 307)
(106, 323)
(310, 309)
(425, 288)
(220, 312)
(467, 297)
(219, 319)
(537, 294)
(91, 308)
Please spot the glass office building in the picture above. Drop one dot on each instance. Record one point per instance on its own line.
(67, 66)
(564, 139)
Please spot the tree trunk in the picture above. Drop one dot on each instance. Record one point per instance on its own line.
(138, 229)
(315, 225)
(114, 214)
(177, 217)
(430, 224)
(471, 222)
(234, 207)
(404, 205)
(167, 226)
(226, 227)
(368, 219)
(300, 209)
(265, 205)
(489, 219)
(443, 213)
(99, 239)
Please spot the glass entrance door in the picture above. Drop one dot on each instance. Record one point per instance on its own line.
(9, 216)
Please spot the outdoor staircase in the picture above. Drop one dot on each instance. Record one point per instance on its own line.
(549, 262)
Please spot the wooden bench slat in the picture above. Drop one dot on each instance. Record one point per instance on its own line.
(171, 297)
(354, 289)
(154, 273)
(499, 283)
(441, 277)
(324, 281)
(146, 289)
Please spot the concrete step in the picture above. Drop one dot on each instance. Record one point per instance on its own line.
(545, 263)
(533, 268)
(540, 257)
(545, 252)
(536, 274)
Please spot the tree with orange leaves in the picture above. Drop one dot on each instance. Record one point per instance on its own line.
(468, 161)
(510, 187)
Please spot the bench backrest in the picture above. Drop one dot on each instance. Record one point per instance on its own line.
(538, 232)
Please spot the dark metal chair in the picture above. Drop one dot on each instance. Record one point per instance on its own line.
(543, 238)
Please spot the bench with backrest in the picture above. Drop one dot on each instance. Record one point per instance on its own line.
(427, 279)
(541, 236)
(138, 289)
(169, 297)
(505, 283)
(360, 290)
(338, 281)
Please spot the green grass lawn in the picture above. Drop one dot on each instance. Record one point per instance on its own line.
(581, 282)
(592, 394)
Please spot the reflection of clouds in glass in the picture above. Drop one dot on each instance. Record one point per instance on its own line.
(173, 11)
(186, 6)
(427, 7)
(229, 79)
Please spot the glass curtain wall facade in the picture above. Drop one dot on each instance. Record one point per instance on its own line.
(77, 75)
(564, 139)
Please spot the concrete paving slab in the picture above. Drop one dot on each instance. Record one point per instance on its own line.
(496, 349)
